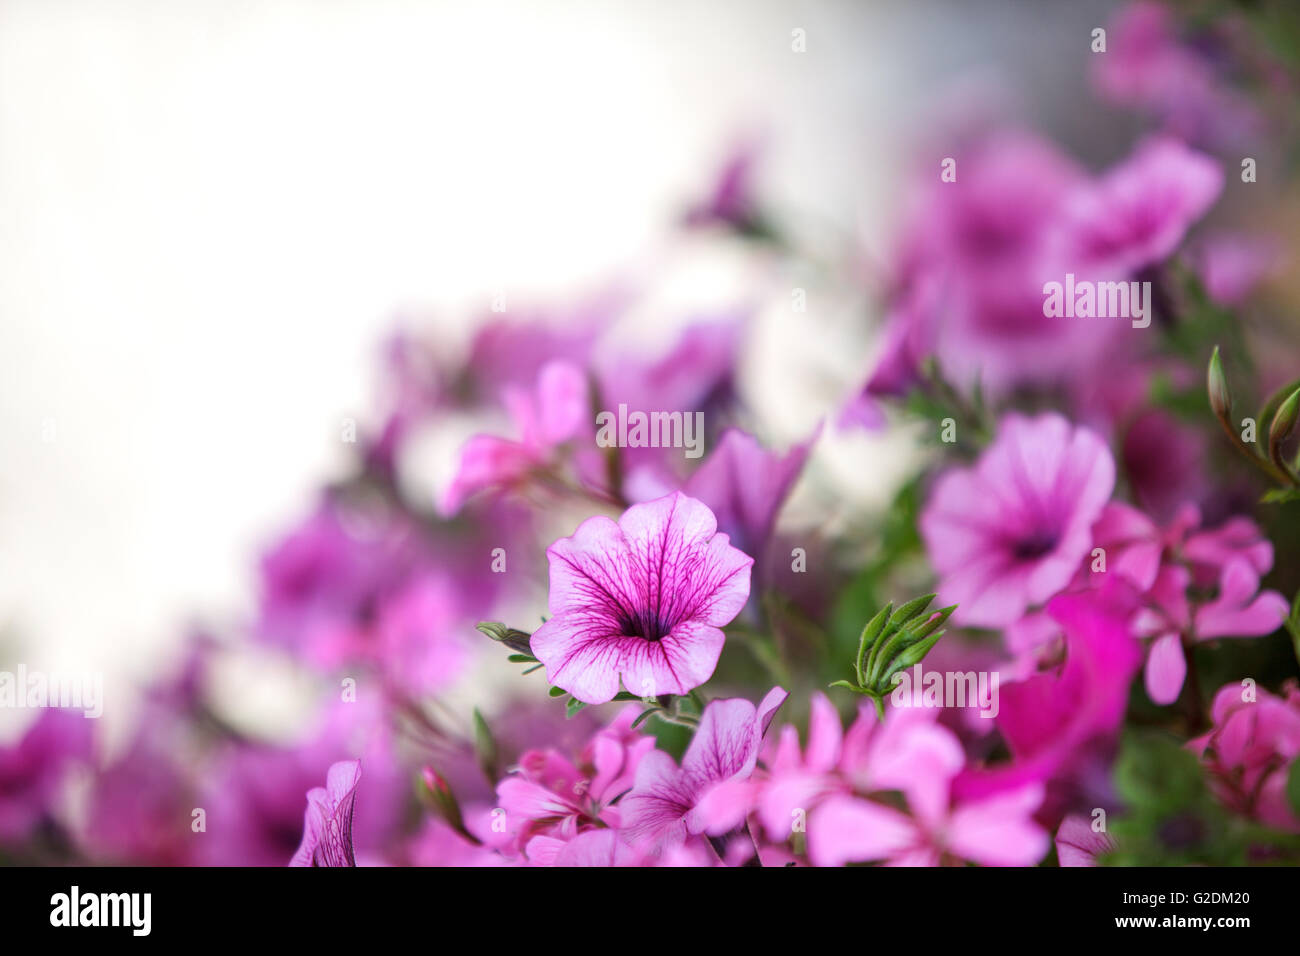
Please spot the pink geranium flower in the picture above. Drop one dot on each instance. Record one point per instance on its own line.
(708, 792)
(1009, 533)
(996, 830)
(327, 828)
(1168, 566)
(1249, 752)
(643, 599)
(553, 414)
(551, 799)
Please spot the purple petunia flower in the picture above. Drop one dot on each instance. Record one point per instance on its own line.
(1010, 533)
(327, 827)
(1078, 844)
(33, 770)
(1137, 214)
(705, 794)
(643, 599)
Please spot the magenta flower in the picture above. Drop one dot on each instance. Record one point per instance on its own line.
(1249, 752)
(995, 830)
(1171, 568)
(1138, 213)
(1010, 532)
(731, 202)
(1054, 722)
(1231, 265)
(551, 799)
(327, 827)
(1150, 68)
(907, 752)
(253, 793)
(34, 770)
(320, 584)
(706, 794)
(643, 599)
(418, 634)
(555, 413)
(967, 289)
(745, 485)
(831, 785)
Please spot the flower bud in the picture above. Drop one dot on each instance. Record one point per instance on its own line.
(1217, 385)
(1283, 421)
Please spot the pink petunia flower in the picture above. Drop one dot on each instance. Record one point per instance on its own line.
(1078, 844)
(327, 827)
(643, 599)
(1149, 67)
(708, 793)
(1137, 214)
(1010, 532)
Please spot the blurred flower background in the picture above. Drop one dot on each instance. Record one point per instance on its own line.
(308, 310)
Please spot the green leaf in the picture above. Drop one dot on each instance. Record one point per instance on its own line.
(485, 747)
(847, 685)
(910, 610)
(868, 638)
(557, 692)
(642, 716)
(1292, 623)
(1281, 496)
(911, 656)
(573, 706)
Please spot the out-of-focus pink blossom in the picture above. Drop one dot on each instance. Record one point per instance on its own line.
(33, 770)
(745, 485)
(1250, 749)
(1231, 265)
(557, 412)
(1148, 67)
(1051, 719)
(1010, 532)
(1138, 213)
(1167, 565)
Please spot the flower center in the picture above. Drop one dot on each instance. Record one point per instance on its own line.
(1034, 545)
(646, 625)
